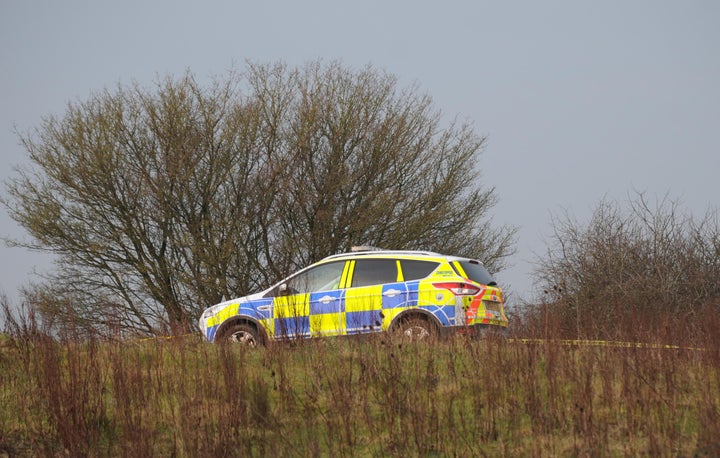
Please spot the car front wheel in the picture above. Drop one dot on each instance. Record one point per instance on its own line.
(243, 334)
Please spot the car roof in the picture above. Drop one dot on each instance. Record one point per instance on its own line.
(386, 253)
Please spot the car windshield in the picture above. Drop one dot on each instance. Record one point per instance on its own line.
(477, 272)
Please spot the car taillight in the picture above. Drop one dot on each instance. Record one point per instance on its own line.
(459, 289)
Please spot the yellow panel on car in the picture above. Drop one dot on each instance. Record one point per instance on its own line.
(269, 325)
(430, 295)
(227, 312)
(363, 299)
(297, 305)
(327, 324)
(389, 315)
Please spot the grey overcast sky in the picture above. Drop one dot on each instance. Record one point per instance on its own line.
(580, 100)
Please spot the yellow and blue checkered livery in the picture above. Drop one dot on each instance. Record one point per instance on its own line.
(366, 292)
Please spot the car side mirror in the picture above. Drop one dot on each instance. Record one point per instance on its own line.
(283, 289)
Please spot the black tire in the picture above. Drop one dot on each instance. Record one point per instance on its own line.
(244, 334)
(416, 328)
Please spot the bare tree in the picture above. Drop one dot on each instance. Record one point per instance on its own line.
(159, 202)
(640, 261)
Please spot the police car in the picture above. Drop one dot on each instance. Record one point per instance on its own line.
(415, 294)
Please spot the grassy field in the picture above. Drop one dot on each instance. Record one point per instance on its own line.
(344, 397)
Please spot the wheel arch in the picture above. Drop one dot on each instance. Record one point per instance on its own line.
(414, 313)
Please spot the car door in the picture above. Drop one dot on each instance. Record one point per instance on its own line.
(375, 294)
(310, 303)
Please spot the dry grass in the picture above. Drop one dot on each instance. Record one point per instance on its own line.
(376, 396)
(342, 397)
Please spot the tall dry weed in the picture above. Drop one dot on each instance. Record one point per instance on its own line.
(373, 396)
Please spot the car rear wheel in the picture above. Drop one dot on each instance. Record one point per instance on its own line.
(416, 329)
(242, 334)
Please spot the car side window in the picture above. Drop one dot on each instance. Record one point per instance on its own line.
(374, 272)
(416, 270)
(324, 277)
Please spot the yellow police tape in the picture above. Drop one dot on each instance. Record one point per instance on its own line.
(170, 337)
(605, 343)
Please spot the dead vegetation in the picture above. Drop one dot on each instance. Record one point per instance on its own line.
(357, 397)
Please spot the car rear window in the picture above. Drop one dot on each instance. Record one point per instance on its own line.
(477, 272)
(374, 272)
(415, 270)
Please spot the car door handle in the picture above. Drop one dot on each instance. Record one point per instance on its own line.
(326, 299)
(392, 293)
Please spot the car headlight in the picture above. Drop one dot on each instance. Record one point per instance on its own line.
(209, 312)
(212, 310)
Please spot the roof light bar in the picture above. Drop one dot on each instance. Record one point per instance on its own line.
(359, 248)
